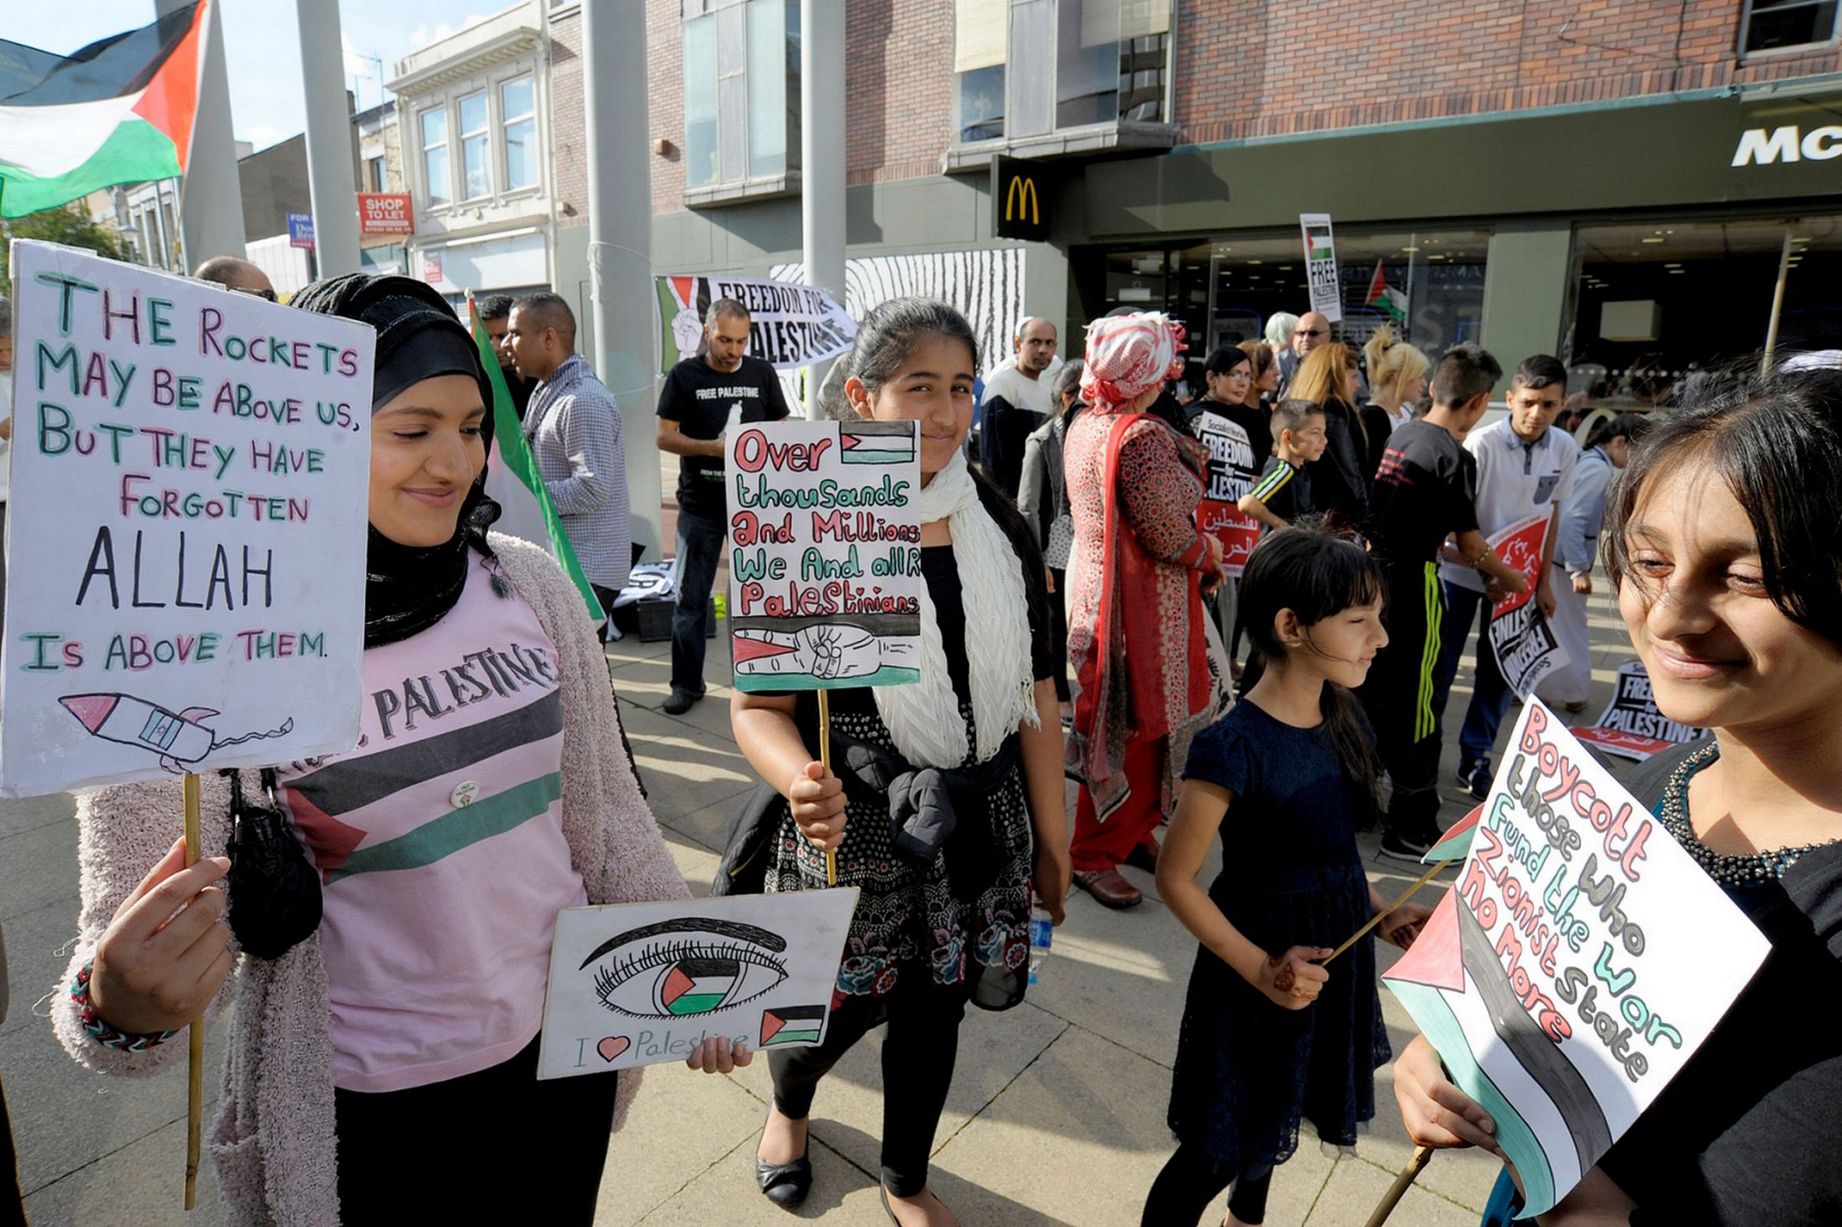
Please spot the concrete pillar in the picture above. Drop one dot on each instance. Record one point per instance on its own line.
(211, 196)
(331, 183)
(620, 242)
(821, 146)
(1525, 291)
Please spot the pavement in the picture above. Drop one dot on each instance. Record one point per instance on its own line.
(1056, 1113)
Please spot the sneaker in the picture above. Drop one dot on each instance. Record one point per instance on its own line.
(1403, 847)
(679, 702)
(1477, 779)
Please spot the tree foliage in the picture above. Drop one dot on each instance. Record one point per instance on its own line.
(69, 224)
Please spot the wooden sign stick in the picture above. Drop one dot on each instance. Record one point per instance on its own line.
(1421, 1156)
(195, 1034)
(1397, 901)
(831, 854)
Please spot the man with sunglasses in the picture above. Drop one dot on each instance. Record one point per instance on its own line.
(1311, 331)
(239, 276)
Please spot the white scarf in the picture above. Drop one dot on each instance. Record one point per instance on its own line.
(924, 719)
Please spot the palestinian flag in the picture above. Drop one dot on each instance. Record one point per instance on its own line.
(512, 480)
(1390, 301)
(877, 443)
(697, 985)
(792, 1024)
(1455, 844)
(118, 111)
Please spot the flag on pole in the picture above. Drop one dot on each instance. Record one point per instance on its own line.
(118, 111)
(512, 479)
(1391, 301)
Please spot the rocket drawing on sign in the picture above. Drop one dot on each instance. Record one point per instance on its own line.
(179, 738)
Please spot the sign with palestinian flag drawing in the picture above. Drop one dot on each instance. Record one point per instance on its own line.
(1578, 963)
(1631, 726)
(1321, 265)
(789, 325)
(824, 554)
(1525, 645)
(644, 983)
(118, 111)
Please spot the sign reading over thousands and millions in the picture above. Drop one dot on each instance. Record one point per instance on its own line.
(1578, 963)
(1631, 726)
(788, 325)
(643, 983)
(1321, 266)
(1524, 643)
(1233, 471)
(185, 562)
(824, 554)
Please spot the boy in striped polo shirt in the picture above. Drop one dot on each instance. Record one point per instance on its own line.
(1283, 493)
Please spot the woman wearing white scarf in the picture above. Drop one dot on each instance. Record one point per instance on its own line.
(937, 928)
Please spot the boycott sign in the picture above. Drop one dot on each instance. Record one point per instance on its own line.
(185, 554)
(1631, 726)
(1578, 963)
(788, 325)
(1524, 643)
(1233, 471)
(1321, 265)
(824, 554)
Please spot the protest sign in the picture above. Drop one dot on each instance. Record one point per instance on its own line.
(644, 983)
(1321, 266)
(1579, 963)
(824, 554)
(1631, 726)
(789, 325)
(185, 570)
(1233, 470)
(1525, 646)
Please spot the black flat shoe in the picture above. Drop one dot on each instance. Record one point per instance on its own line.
(786, 1184)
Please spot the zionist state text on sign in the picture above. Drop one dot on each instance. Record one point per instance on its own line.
(1579, 961)
(186, 537)
(824, 554)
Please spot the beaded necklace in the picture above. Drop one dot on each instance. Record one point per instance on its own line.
(1748, 869)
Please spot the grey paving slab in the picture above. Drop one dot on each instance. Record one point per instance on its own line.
(842, 1194)
(37, 951)
(142, 1183)
(1353, 1190)
(37, 867)
(31, 813)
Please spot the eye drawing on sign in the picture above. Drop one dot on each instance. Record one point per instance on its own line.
(690, 966)
(179, 738)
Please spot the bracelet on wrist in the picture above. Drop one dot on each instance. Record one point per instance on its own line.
(102, 1032)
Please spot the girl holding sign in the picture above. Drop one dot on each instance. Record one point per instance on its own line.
(396, 1046)
(1726, 552)
(1286, 778)
(943, 923)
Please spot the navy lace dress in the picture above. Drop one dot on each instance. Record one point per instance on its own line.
(1247, 1070)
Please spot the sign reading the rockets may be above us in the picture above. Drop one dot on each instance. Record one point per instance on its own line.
(186, 529)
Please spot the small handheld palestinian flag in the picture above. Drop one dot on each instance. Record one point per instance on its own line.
(118, 111)
(1454, 845)
(512, 479)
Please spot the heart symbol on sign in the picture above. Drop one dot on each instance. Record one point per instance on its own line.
(613, 1046)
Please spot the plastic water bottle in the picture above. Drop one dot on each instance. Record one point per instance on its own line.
(1042, 936)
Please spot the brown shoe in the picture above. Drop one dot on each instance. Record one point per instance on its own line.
(1108, 887)
(1145, 857)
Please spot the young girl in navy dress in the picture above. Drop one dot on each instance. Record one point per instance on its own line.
(1287, 777)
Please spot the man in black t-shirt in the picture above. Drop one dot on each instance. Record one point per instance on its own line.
(1423, 493)
(702, 397)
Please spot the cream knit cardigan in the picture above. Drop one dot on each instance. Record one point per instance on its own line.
(273, 1141)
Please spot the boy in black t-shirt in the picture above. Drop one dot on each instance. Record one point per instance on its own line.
(1283, 493)
(1423, 493)
(703, 396)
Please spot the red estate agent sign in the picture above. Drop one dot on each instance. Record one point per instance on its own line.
(385, 213)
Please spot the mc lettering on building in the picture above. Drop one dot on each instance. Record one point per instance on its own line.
(1785, 144)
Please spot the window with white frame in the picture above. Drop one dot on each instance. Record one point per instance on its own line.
(1036, 68)
(518, 120)
(741, 93)
(436, 176)
(476, 146)
(1767, 25)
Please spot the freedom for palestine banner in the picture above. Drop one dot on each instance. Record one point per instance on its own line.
(118, 111)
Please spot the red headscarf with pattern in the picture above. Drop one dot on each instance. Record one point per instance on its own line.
(1127, 355)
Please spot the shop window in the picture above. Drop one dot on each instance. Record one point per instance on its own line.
(436, 178)
(518, 120)
(1767, 25)
(741, 98)
(476, 146)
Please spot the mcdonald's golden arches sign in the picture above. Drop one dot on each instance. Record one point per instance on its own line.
(1022, 193)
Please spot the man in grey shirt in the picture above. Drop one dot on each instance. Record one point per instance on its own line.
(573, 428)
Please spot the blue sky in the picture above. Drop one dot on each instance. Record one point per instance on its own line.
(263, 47)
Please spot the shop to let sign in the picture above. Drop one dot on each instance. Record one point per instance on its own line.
(385, 213)
(185, 570)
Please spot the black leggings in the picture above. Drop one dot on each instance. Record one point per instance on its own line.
(419, 1155)
(918, 1056)
(1192, 1179)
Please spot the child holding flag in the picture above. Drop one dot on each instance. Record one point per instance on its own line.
(1269, 1036)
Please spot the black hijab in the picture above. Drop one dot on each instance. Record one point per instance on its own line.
(408, 588)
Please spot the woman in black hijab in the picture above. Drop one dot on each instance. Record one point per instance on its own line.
(382, 1065)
